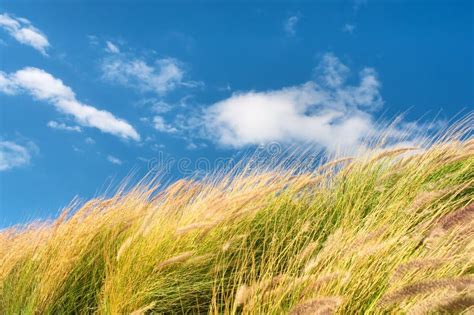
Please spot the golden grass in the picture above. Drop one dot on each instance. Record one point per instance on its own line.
(386, 232)
(317, 306)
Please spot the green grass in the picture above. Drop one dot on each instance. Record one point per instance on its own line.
(387, 232)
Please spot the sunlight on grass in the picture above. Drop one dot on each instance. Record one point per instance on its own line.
(387, 231)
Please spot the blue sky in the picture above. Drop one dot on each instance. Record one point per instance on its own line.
(92, 90)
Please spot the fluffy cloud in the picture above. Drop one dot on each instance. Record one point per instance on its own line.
(290, 25)
(62, 126)
(24, 32)
(327, 112)
(43, 86)
(15, 155)
(160, 77)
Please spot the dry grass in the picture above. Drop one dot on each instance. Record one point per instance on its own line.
(382, 233)
(317, 306)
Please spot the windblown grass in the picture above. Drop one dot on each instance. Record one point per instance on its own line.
(385, 232)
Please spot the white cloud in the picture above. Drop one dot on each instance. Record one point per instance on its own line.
(24, 32)
(43, 86)
(114, 160)
(6, 84)
(111, 48)
(15, 155)
(327, 112)
(62, 126)
(290, 25)
(160, 77)
(160, 124)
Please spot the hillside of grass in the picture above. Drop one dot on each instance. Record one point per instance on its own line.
(390, 231)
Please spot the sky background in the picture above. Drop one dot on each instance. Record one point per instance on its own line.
(90, 90)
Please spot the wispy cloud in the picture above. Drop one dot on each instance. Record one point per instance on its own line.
(290, 25)
(348, 28)
(156, 105)
(93, 40)
(62, 126)
(24, 32)
(357, 4)
(7, 85)
(160, 124)
(114, 160)
(160, 77)
(194, 146)
(328, 111)
(159, 106)
(331, 71)
(14, 155)
(43, 86)
(111, 47)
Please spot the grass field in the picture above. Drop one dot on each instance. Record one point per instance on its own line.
(390, 231)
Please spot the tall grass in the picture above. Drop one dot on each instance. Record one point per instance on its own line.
(386, 232)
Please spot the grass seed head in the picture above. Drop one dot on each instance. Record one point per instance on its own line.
(320, 305)
(175, 260)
